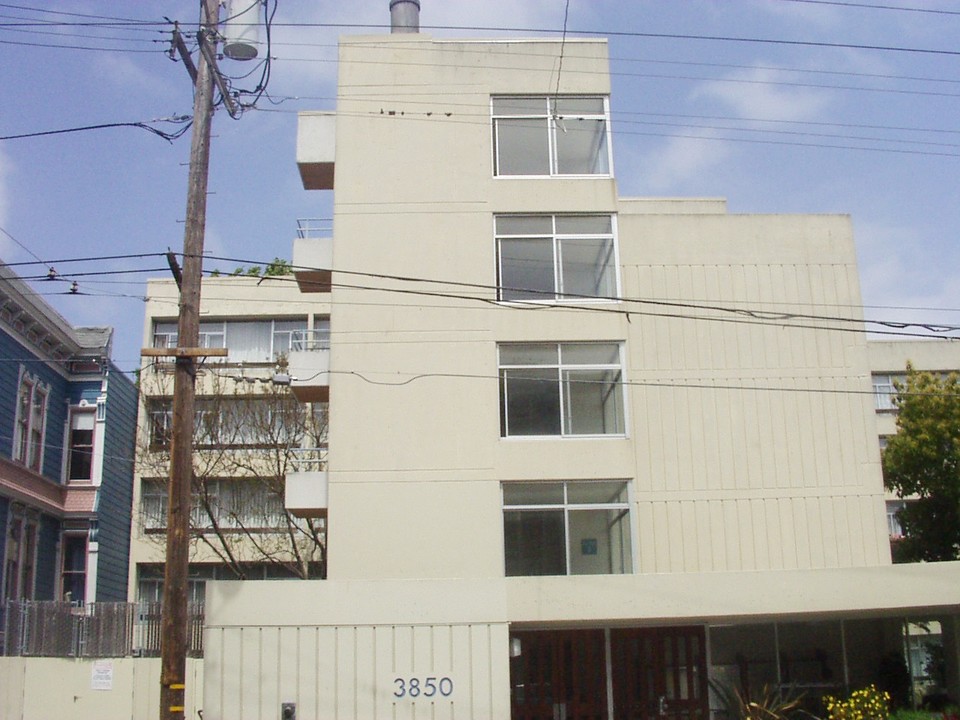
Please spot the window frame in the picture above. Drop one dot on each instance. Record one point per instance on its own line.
(87, 450)
(566, 506)
(550, 118)
(72, 574)
(564, 387)
(557, 241)
(216, 334)
(30, 422)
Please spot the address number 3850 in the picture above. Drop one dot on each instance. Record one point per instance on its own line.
(414, 687)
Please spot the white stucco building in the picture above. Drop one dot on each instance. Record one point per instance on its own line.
(586, 451)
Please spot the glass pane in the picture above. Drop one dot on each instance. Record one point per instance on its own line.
(528, 354)
(580, 493)
(527, 270)
(581, 147)
(533, 493)
(524, 225)
(578, 106)
(533, 542)
(587, 268)
(249, 341)
(593, 402)
(532, 400)
(584, 225)
(522, 147)
(591, 353)
(599, 542)
(519, 106)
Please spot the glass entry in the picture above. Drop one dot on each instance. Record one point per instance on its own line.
(558, 675)
(659, 674)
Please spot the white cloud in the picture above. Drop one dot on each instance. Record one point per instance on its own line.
(679, 161)
(754, 93)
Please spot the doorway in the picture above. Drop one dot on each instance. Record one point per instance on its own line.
(635, 674)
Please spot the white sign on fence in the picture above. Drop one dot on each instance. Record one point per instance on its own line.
(101, 676)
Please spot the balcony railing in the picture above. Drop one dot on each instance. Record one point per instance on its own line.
(309, 228)
(308, 459)
(309, 340)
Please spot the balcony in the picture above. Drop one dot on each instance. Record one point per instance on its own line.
(309, 365)
(313, 255)
(305, 488)
(316, 141)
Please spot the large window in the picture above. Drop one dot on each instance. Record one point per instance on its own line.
(73, 577)
(556, 257)
(550, 136)
(566, 528)
(30, 421)
(235, 504)
(561, 389)
(80, 463)
(253, 341)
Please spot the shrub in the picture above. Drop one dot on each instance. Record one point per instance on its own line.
(868, 703)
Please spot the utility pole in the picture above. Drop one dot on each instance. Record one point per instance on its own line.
(173, 623)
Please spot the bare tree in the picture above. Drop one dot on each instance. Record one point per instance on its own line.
(249, 434)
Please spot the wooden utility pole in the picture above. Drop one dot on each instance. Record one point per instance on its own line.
(173, 624)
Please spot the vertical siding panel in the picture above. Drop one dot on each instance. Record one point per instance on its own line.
(801, 527)
(684, 464)
(718, 540)
(691, 536)
(704, 529)
(748, 556)
(771, 511)
(732, 533)
(787, 540)
(657, 464)
(674, 518)
(646, 532)
(761, 550)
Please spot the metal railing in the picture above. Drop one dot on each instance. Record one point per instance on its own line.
(308, 459)
(309, 340)
(39, 628)
(308, 228)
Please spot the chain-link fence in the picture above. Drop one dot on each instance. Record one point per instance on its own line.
(105, 629)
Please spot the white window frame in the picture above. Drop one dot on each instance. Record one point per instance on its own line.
(884, 391)
(551, 122)
(558, 239)
(566, 506)
(561, 367)
(28, 440)
(75, 414)
(216, 334)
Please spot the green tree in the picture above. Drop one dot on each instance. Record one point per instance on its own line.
(921, 463)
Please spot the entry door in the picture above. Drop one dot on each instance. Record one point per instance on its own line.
(659, 674)
(558, 675)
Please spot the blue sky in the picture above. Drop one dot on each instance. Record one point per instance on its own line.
(774, 127)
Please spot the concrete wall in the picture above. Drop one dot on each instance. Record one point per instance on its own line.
(750, 443)
(43, 688)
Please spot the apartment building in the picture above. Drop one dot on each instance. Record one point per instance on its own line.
(250, 433)
(67, 418)
(575, 469)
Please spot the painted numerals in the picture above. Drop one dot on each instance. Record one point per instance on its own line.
(415, 687)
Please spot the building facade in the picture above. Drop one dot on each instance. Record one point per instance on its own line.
(67, 420)
(249, 434)
(586, 454)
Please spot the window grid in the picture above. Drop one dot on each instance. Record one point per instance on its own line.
(567, 375)
(617, 502)
(523, 268)
(559, 117)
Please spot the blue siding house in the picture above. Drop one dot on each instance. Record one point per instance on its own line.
(67, 432)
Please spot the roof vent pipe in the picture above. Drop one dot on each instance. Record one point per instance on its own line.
(404, 16)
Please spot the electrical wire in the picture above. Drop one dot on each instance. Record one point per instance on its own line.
(184, 120)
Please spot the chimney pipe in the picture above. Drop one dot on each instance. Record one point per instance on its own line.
(404, 16)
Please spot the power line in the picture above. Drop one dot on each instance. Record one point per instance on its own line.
(184, 121)
(868, 6)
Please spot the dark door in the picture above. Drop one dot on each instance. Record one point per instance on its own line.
(558, 675)
(659, 674)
